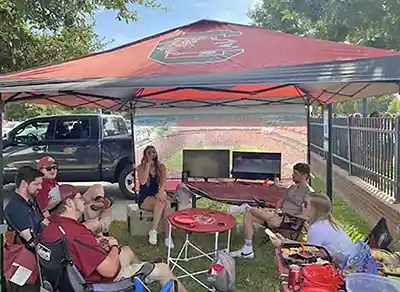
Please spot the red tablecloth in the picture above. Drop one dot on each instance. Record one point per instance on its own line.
(223, 221)
(237, 192)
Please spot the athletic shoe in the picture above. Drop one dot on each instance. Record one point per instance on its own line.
(245, 253)
(153, 237)
(166, 243)
(233, 209)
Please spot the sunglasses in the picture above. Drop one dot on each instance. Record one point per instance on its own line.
(50, 168)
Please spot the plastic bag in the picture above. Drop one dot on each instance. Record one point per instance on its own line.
(222, 273)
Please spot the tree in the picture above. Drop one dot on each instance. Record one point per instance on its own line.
(374, 23)
(37, 32)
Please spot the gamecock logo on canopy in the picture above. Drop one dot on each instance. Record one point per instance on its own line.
(200, 47)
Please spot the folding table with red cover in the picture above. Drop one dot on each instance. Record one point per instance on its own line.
(237, 192)
(196, 220)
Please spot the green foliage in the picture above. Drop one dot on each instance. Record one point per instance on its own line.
(394, 106)
(374, 23)
(380, 103)
(20, 111)
(37, 32)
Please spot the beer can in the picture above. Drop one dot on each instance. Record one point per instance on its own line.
(294, 279)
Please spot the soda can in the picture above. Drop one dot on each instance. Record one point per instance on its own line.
(294, 279)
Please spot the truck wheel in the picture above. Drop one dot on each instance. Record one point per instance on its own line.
(125, 181)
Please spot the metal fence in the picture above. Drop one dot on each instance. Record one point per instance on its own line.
(366, 147)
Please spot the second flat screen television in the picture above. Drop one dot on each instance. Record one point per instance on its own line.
(206, 163)
(256, 165)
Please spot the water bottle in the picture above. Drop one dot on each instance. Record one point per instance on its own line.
(276, 180)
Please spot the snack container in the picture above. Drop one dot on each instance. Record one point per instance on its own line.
(362, 282)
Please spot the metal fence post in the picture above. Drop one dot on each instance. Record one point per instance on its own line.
(349, 147)
(329, 156)
(397, 158)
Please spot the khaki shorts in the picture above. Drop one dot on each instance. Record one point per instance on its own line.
(129, 269)
(271, 218)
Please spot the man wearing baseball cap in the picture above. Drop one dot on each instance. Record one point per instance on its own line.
(96, 208)
(48, 167)
(96, 263)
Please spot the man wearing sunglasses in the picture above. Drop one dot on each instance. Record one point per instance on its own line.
(97, 215)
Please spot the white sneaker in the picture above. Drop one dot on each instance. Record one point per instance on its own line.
(244, 253)
(153, 237)
(233, 209)
(172, 243)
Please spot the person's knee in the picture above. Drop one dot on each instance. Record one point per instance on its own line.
(98, 189)
(164, 270)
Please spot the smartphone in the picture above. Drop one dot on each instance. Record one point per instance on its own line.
(271, 234)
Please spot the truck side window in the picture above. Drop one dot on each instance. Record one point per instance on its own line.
(74, 129)
(33, 132)
(113, 126)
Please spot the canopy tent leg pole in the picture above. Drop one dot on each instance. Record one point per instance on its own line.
(3, 226)
(364, 103)
(308, 112)
(329, 156)
(132, 116)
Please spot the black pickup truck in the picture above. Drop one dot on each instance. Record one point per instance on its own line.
(86, 147)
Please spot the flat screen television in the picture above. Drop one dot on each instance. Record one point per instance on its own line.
(256, 165)
(206, 163)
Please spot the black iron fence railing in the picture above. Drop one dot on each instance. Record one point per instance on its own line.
(366, 147)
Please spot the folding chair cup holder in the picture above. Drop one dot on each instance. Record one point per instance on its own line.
(58, 274)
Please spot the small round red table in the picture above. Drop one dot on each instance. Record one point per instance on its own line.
(205, 221)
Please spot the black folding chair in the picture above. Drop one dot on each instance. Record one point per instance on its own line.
(58, 273)
(380, 237)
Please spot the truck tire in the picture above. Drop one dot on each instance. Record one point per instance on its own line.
(125, 182)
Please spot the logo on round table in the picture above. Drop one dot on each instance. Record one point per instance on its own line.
(200, 47)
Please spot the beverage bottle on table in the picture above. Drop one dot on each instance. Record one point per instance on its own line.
(276, 180)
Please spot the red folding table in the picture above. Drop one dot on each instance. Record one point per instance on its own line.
(196, 220)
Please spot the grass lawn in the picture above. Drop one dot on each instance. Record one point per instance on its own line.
(259, 274)
(174, 162)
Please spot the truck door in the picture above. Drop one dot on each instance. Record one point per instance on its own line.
(76, 148)
(28, 143)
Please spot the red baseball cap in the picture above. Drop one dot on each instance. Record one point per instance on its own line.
(59, 194)
(46, 161)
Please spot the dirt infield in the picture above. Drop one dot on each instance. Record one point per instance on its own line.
(270, 141)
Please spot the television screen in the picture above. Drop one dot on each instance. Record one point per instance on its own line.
(256, 165)
(206, 163)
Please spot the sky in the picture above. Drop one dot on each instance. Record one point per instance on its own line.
(180, 12)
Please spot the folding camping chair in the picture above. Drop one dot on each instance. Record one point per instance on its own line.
(291, 226)
(380, 237)
(57, 273)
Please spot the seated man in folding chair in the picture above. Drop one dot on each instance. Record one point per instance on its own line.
(97, 262)
(291, 204)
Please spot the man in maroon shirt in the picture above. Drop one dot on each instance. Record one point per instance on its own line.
(97, 218)
(96, 263)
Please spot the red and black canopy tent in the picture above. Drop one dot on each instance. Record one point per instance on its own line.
(210, 66)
